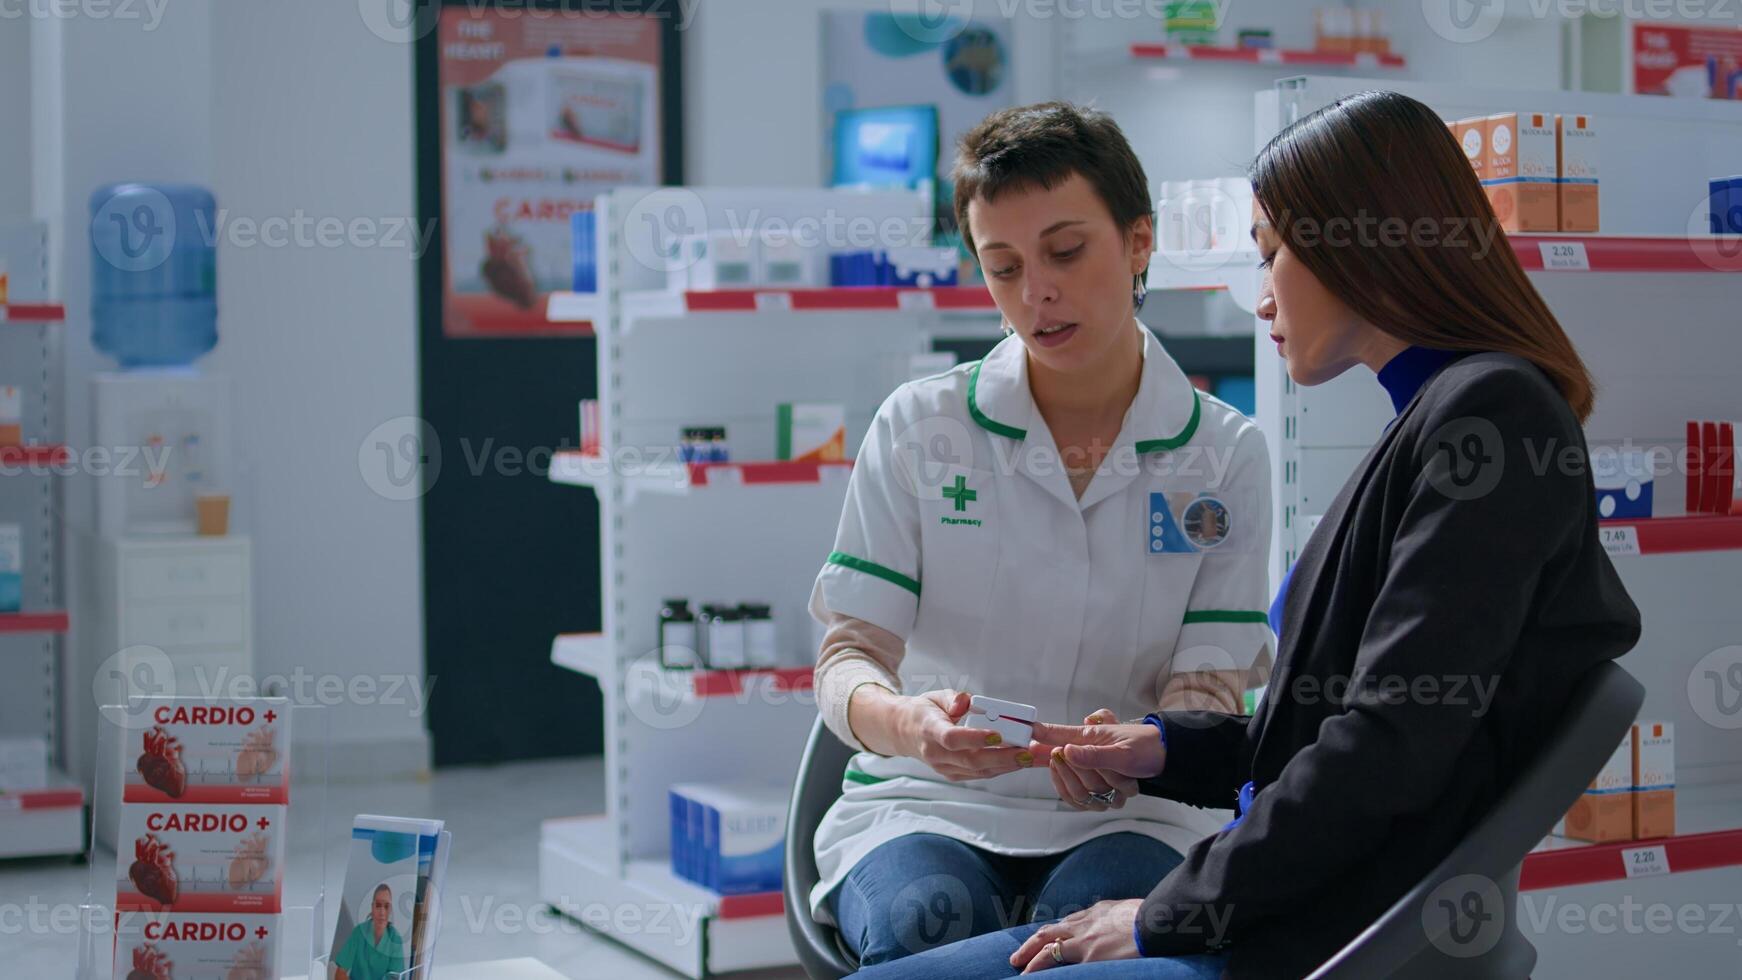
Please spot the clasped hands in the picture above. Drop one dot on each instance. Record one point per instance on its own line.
(1094, 766)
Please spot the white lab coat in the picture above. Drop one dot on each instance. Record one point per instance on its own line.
(961, 535)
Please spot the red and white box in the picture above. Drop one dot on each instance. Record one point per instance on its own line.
(194, 858)
(185, 750)
(196, 947)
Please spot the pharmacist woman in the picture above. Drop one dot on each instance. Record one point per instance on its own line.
(1441, 614)
(1066, 524)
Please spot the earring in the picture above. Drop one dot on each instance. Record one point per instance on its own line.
(1139, 293)
(1005, 326)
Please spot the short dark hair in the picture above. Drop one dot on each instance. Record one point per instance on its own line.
(1042, 145)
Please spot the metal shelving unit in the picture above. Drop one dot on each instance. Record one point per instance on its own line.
(48, 819)
(749, 530)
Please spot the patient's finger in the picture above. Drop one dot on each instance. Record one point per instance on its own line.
(1059, 787)
(1101, 716)
(1068, 777)
(1048, 734)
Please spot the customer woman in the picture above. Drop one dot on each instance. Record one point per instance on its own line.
(1044, 526)
(1439, 616)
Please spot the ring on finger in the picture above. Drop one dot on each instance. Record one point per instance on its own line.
(1107, 798)
(1058, 951)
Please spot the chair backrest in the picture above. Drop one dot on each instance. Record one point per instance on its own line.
(1460, 921)
(819, 785)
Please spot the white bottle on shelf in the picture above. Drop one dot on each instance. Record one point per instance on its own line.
(723, 641)
(761, 649)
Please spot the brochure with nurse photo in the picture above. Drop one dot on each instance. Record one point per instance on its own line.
(388, 910)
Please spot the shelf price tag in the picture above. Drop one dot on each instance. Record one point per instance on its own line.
(1622, 540)
(774, 302)
(916, 301)
(1564, 257)
(1646, 862)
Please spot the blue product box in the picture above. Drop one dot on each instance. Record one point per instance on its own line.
(1623, 482)
(857, 268)
(1718, 206)
(583, 226)
(923, 267)
(11, 592)
(680, 834)
(1734, 208)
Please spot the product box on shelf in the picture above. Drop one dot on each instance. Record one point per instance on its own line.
(1711, 467)
(1653, 779)
(785, 263)
(1624, 483)
(195, 947)
(1604, 812)
(1472, 135)
(1520, 171)
(23, 763)
(1733, 206)
(185, 750)
(11, 568)
(185, 857)
(739, 849)
(715, 260)
(11, 416)
(811, 432)
(921, 266)
(1576, 145)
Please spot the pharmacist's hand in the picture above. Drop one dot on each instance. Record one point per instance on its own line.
(1099, 758)
(954, 751)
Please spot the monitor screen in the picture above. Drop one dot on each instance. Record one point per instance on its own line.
(889, 147)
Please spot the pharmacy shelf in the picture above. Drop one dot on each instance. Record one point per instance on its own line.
(843, 299)
(34, 622)
(583, 653)
(689, 928)
(1366, 60)
(1584, 864)
(584, 470)
(574, 308)
(44, 454)
(1672, 535)
(1708, 837)
(36, 823)
(33, 313)
(1628, 253)
(590, 654)
(1234, 270)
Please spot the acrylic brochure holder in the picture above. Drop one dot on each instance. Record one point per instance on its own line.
(312, 829)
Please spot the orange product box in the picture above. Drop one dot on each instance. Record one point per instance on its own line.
(1653, 779)
(1604, 812)
(1576, 146)
(1520, 171)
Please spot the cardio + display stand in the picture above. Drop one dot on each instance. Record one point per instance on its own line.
(166, 909)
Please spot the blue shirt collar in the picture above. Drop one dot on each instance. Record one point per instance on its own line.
(1405, 374)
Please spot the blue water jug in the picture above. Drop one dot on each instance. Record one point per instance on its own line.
(154, 273)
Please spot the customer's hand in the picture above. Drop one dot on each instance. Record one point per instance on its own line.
(1096, 765)
(1103, 931)
(930, 733)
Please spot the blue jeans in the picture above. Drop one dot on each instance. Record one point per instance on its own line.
(989, 956)
(922, 891)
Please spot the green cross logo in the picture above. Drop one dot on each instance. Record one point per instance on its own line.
(960, 494)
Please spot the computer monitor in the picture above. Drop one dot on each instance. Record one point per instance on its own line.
(896, 146)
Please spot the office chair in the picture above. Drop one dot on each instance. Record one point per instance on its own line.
(1461, 920)
(819, 784)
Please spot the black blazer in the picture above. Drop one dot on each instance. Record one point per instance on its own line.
(1435, 623)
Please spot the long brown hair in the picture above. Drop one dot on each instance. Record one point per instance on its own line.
(1450, 280)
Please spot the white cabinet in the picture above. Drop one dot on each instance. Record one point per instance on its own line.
(167, 616)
